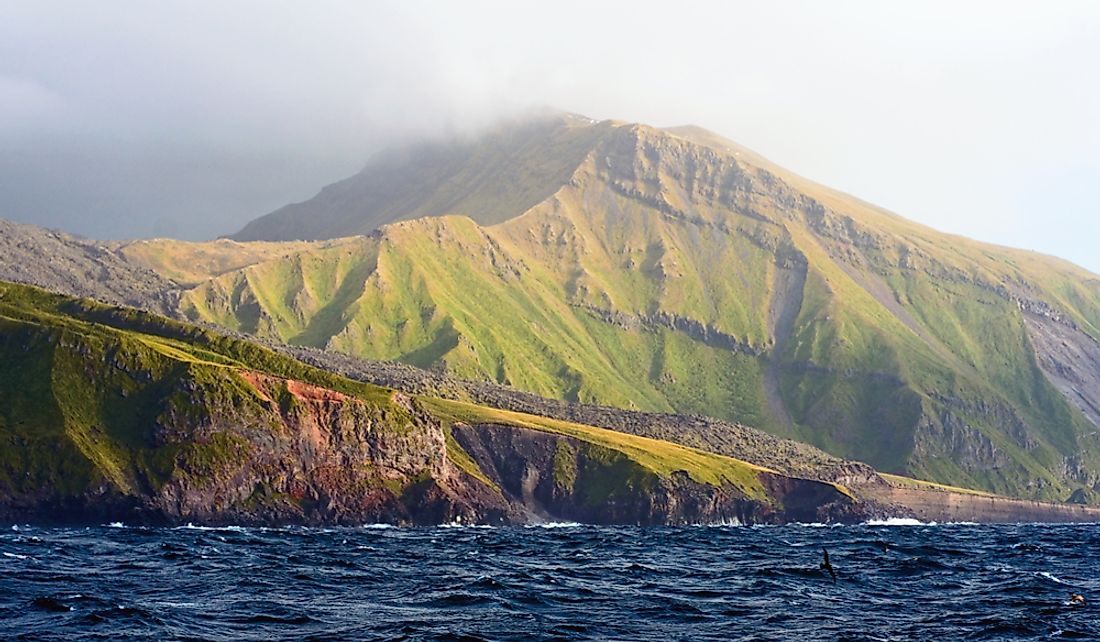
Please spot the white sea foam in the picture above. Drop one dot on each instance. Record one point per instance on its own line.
(15, 556)
(461, 525)
(377, 526)
(897, 521)
(555, 525)
(116, 525)
(1052, 578)
(233, 528)
(722, 524)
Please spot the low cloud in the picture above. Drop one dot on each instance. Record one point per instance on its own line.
(135, 118)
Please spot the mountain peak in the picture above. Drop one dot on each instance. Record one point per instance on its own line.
(491, 178)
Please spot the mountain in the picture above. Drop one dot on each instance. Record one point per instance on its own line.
(112, 413)
(673, 271)
(470, 176)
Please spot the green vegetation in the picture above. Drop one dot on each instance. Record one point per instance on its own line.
(91, 391)
(107, 397)
(659, 457)
(627, 266)
(918, 484)
(565, 466)
(462, 459)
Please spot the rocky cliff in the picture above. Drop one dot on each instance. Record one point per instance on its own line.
(114, 414)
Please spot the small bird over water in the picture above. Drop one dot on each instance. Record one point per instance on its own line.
(825, 565)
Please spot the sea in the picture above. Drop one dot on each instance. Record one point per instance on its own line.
(895, 580)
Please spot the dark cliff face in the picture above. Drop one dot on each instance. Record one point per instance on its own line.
(555, 477)
(331, 459)
(299, 454)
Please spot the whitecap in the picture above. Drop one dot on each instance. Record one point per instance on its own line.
(1052, 578)
(116, 525)
(554, 525)
(377, 526)
(461, 525)
(232, 528)
(897, 521)
(725, 523)
(15, 555)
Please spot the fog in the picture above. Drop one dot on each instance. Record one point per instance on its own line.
(187, 119)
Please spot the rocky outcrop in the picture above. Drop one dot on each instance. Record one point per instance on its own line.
(702, 332)
(80, 267)
(696, 431)
(296, 454)
(328, 458)
(554, 477)
(1069, 357)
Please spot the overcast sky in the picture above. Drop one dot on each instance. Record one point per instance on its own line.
(123, 119)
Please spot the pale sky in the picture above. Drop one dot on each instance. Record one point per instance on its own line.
(133, 118)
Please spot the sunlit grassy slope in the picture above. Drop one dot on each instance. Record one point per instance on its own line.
(189, 263)
(672, 270)
(86, 385)
(660, 457)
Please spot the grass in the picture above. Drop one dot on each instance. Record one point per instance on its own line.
(659, 457)
(462, 459)
(102, 378)
(899, 481)
(86, 386)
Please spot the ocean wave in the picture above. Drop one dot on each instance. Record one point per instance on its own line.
(227, 529)
(464, 525)
(897, 521)
(554, 525)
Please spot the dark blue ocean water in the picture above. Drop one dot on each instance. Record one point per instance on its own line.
(950, 582)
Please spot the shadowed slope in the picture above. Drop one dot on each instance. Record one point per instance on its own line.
(490, 179)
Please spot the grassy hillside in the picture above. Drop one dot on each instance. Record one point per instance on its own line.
(189, 264)
(676, 271)
(660, 457)
(110, 405)
(90, 391)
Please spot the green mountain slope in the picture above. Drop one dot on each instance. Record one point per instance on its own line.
(112, 413)
(672, 270)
